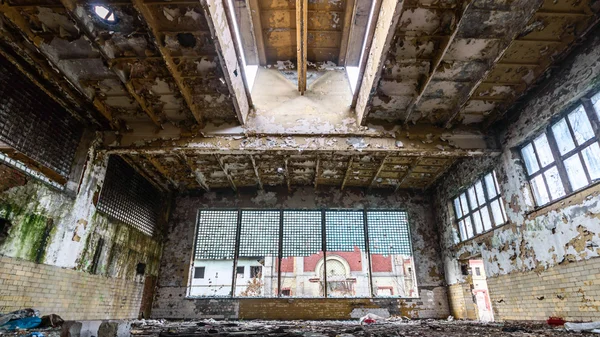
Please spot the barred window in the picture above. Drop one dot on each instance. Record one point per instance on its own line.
(480, 208)
(128, 197)
(566, 157)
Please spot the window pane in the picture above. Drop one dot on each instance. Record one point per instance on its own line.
(581, 125)
(487, 222)
(457, 208)
(259, 247)
(215, 250)
(497, 212)
(468, 227)
(530, 162)
(596, 103)
(347, 271)
(543, 150)
(555, 184)
(461, 229)
(465, 205)
(489, 185)
(480, 194)
(563, 136)
(302, 252)
(392, 263)
(477, 222)
(575, 172)
(591, 156)
(539, 190)
(472, 198)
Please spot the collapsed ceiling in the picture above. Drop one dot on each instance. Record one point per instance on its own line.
(167, 75)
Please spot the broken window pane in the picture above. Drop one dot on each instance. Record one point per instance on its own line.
(457, 208)
(555, 184)
(487, 222)
(347, 267)
(215, 250)
(497, 212)
(581, 125)
(543, 150)
(477, 223)
(530, 161)
(575, 172)
(479, 191)
(302, 251)
(259, 247)
(392, 262)
(539, 190)
(563, 137)
(591, 156)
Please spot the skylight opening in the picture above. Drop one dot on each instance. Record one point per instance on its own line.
(353, 72)
(104, 13)
(249, 71)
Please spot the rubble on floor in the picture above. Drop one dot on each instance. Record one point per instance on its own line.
(389, 327)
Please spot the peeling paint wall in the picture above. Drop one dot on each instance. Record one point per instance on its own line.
(538, 242)
(57, 232)
(170, 301)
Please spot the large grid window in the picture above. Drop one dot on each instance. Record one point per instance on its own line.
(303, 253)
(566, 157)
(480, 208)
(128, 197)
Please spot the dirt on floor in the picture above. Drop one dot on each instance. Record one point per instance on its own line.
(388, 327)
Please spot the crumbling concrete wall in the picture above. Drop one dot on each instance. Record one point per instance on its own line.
(539, 242)
(171, 302)
(48, 245)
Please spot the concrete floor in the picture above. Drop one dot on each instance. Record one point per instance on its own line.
(343, 329)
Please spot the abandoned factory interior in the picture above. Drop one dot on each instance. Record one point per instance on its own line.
(299, 168)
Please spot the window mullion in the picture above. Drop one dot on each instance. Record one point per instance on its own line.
(585, 169)
(368, 252)
(470, 212)
(541, 170)
(562, 171)
(324, 249)
(280, 253)
(592, 115)
(237, 251)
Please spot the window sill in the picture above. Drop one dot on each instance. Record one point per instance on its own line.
(283, 298)
(568, 200)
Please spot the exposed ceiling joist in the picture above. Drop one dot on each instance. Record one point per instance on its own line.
(200, 178)
(227, 174)
(317, 171)
(414, 164)
(389, 15)
(302, 42)
(381, 166)
(256, 173)
(287, 176)
(348, 172)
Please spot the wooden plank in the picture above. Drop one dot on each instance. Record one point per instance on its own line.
(229, 178)
(347, 172)
(383, 162)
(414, 165)
(258, 32)
(348, 14)
(260, 184)
(302, 39)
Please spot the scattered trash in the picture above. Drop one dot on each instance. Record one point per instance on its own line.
(22, 323)
(589, 327)
(515, 329)
(370, 319)
(555, 321)
(35, 334)
(51, 321)
(450, 318)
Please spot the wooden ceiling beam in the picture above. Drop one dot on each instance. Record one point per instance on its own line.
(383, 162)
(348, 169)
(199, 176)
(229, 178)
(317, 171)
(256, 173)
(410, 170)
(287, 176)
(302, 42)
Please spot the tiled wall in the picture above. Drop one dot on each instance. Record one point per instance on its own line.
(71, 294)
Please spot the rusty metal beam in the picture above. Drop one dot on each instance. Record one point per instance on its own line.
(145, 13)
(373, 60)
(229, 178)
(413, 166)
(347, 172)
(71, 6)
(258, 180)
(527, 10)
(460, 16)
(348, 14)
(378, 172)
(302, 42)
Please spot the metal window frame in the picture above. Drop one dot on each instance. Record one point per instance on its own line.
(594, 119)
(365, 226)
(487, 203)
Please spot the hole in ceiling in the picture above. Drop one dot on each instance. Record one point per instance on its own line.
(186, 40)
(105, 13)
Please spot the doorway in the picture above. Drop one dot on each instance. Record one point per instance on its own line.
(479, 289)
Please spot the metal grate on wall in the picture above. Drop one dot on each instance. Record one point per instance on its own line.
(216, 235)
(128, 197)
(34, 124)
(302, 233)
(389, 233)
(259, 234)
(344, 230)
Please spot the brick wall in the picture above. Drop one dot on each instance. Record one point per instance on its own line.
(460, 297)
(570, 291)
(9, 177)
(73, 295)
